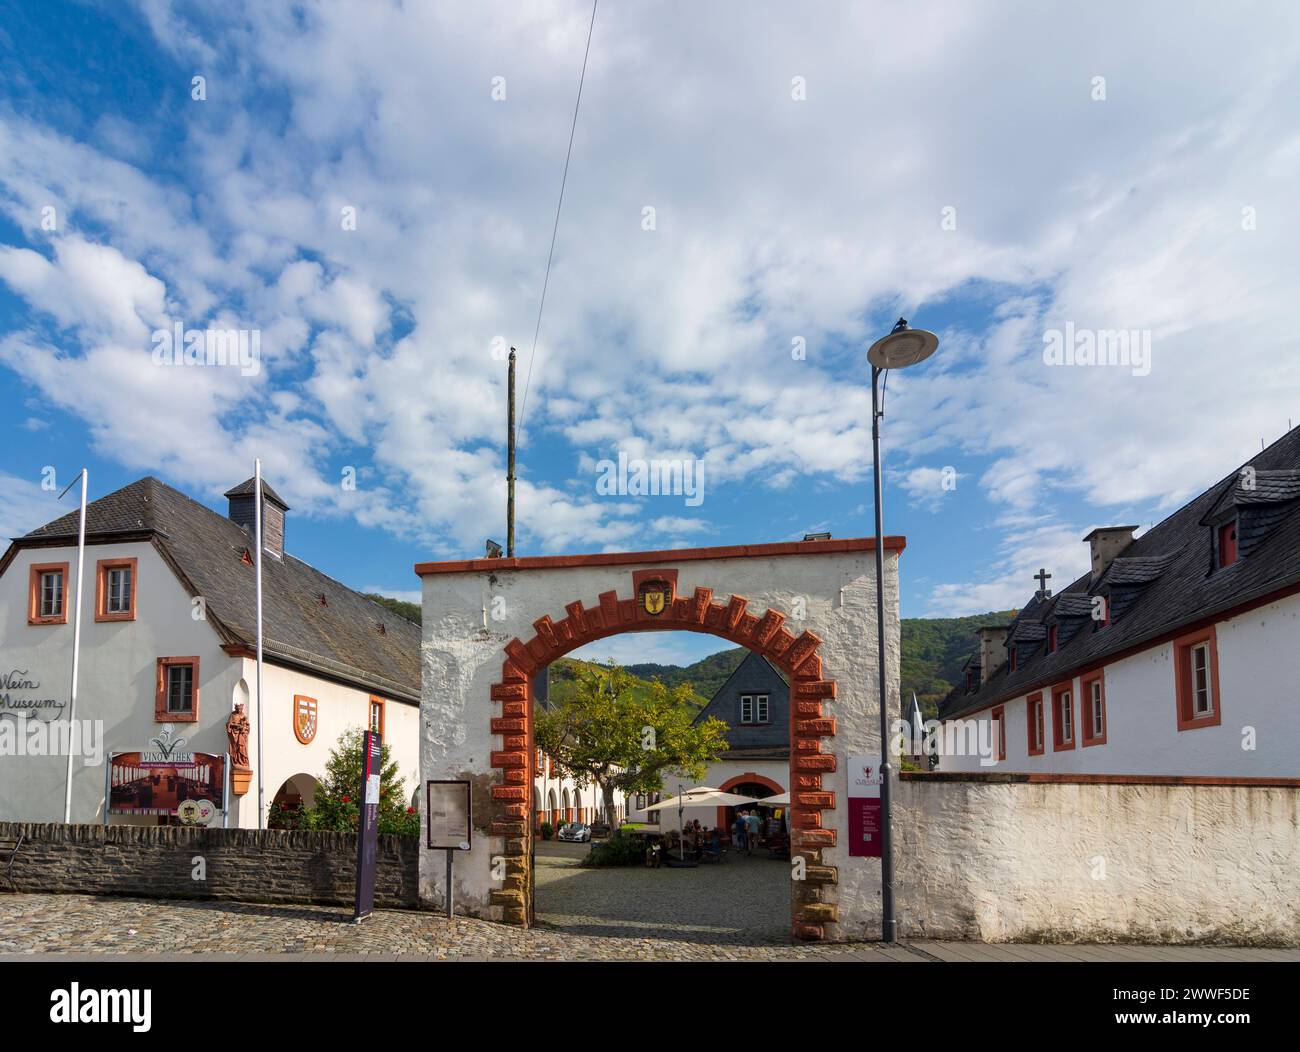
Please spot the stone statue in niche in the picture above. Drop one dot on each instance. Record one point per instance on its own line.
(237, 733)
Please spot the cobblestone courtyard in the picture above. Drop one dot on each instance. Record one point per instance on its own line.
(744, 901)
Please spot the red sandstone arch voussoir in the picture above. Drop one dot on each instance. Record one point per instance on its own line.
(764, 632)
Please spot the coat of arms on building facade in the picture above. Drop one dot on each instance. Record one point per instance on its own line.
(304, 718)
(655, 596)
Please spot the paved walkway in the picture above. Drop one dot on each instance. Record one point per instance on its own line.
(83, 926)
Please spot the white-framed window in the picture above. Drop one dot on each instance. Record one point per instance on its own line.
(118, 599)
(1067, 716)
(1038, 724)
(51, 594)
(1098, 710)
(754, 708)
(1202, 693)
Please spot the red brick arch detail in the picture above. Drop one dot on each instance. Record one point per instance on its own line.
(765, 633)
(749, 777)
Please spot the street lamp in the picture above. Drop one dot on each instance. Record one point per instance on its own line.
(902, 347)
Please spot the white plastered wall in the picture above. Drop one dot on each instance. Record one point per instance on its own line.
(470, 616)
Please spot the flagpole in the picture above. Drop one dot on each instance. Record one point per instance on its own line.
(76, 651)
(257, 534)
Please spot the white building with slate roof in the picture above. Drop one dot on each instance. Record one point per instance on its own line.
(754, 703)
(1177, 654)
(168, 642)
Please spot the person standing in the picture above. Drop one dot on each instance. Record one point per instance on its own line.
(754, 827)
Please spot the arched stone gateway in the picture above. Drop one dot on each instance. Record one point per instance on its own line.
(807, 606)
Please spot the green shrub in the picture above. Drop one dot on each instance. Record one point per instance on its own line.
(547, 830)
(621, 849)
(337, 804)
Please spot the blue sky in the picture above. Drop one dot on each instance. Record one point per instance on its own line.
(995, 172)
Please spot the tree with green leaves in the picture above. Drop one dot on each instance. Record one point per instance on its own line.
(615, 732)
(337, 806)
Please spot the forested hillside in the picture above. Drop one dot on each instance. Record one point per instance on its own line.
(934, 651)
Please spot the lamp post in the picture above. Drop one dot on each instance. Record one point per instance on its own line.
(904, 346)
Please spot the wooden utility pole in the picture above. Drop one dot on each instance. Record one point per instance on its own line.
(510, 462)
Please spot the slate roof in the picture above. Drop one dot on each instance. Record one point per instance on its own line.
(1162, 581)
(754, 675)
(339, 638)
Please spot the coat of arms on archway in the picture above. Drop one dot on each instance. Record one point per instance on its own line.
(304, 719)
(655, 596)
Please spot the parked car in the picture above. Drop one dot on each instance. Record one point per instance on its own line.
(578, 832)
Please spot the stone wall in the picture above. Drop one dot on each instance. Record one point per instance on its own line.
(247, 865)
(1042, 858)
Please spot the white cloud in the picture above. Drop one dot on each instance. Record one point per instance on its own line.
(1008, 580)
(25, 505)
(927, 486)
(776, 219)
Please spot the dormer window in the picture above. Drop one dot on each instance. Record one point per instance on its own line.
(970, 681)
(1228, 543)
(1051, 639)
(1011, 658)
(753, 708)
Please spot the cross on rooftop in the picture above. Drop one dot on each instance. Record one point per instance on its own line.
(1042, 577)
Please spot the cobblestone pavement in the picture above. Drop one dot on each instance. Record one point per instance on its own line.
(744, 901)
(83, 926)
(738, 910)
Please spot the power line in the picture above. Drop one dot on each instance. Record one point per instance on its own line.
(532, 354)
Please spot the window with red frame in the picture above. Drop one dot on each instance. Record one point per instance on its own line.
(1034, 713)
(376, 721)
(1063, 718)
(1011, 658)
(176, 695)
(1051, 639)
(115, 588)
(1196, 679)
(999, 720)
(47, 594)
(1228, 544)
(1092, 693)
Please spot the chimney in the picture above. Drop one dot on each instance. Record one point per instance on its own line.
(992, 652)
(1107, 542)
(242, 512)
